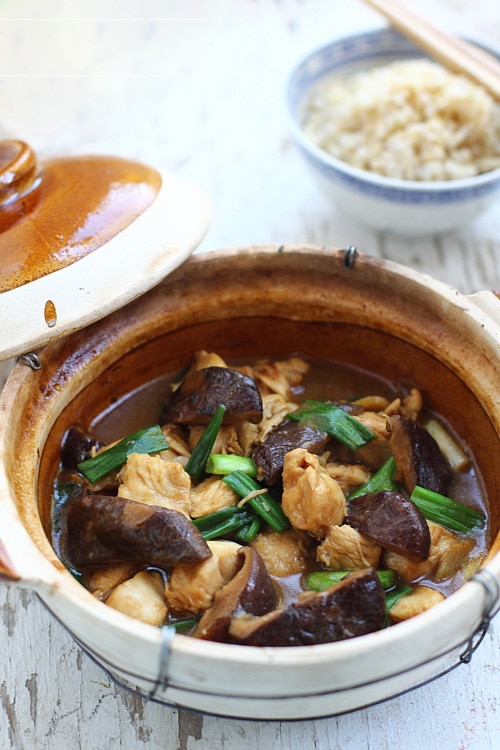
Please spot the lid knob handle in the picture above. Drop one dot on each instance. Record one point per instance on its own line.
(19, 172)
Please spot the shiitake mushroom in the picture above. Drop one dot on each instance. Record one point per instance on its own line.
(196, 399)
(353, 607)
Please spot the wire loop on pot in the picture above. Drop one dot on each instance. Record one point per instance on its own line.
(349, 257)
(31, 359)
(167, 633)
(489, 581)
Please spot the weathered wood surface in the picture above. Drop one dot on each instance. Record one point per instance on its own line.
(207, 102)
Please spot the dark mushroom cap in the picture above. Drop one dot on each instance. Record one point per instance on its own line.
(353, 607)
(393, 521)
(104, 530)
(251, 591)
(201, 392)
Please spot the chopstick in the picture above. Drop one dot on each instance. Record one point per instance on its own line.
(456, 54)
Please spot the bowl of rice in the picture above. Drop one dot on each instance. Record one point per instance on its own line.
(397, 141)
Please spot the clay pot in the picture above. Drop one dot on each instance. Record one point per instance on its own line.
(257, 301)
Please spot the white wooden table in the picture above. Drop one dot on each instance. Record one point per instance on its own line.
(197, 88)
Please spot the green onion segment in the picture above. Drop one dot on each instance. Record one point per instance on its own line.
(224, 522)
(149, 440)
(380, 480)
(447, 512)
(334, 420)
(264, 505)
(323, 579)
(224, 463)
(195, 467)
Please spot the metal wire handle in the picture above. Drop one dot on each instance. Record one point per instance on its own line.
(31, 359)
(349, 257)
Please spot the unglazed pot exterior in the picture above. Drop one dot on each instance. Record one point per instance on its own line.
(267, 301)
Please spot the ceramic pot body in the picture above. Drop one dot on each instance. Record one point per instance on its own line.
(267, 301)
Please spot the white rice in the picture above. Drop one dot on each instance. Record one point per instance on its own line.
(411, 119)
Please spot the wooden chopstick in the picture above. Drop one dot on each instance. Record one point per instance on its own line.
(456, 54)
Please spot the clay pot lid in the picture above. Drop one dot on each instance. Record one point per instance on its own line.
(82, 236)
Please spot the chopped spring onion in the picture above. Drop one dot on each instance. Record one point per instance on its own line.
(222, 463)
(380, 480)
(195, 467)
(264, 505)
(396, 594)
(149, 440)
(247, 533)
(183, 626)
(457, 458)
(214, 519)
(445, 511)
(334, 420)
(224, 522)
(323, 579)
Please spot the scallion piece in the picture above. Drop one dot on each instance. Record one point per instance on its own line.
(382, 479)
(149, 440)
(183, 626)
(224, 522)
(214, 519)
(247, 533)
(447, 512)
(334, 420)
(391, 597)
(457, 458)
(222, 463)
(195, 467)
(264, 505)
(323, 579)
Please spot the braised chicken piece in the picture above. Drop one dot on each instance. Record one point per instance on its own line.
(203, 359)
(177, 443)
(371, 403)
(344, 548)
(278, 377)
(192, 588)
(374, 453)
(311, 499)
(420, 600)
(151, 480)
(448, 553)
(348, 476)
(285, 553)
(101, 581)
(353, 607)
(227, 440)
(418, 457)
(140, 597)
(211, 495)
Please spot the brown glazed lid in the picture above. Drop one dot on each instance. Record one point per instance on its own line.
(82, 236)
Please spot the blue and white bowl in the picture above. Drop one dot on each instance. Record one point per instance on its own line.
(406, 207)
